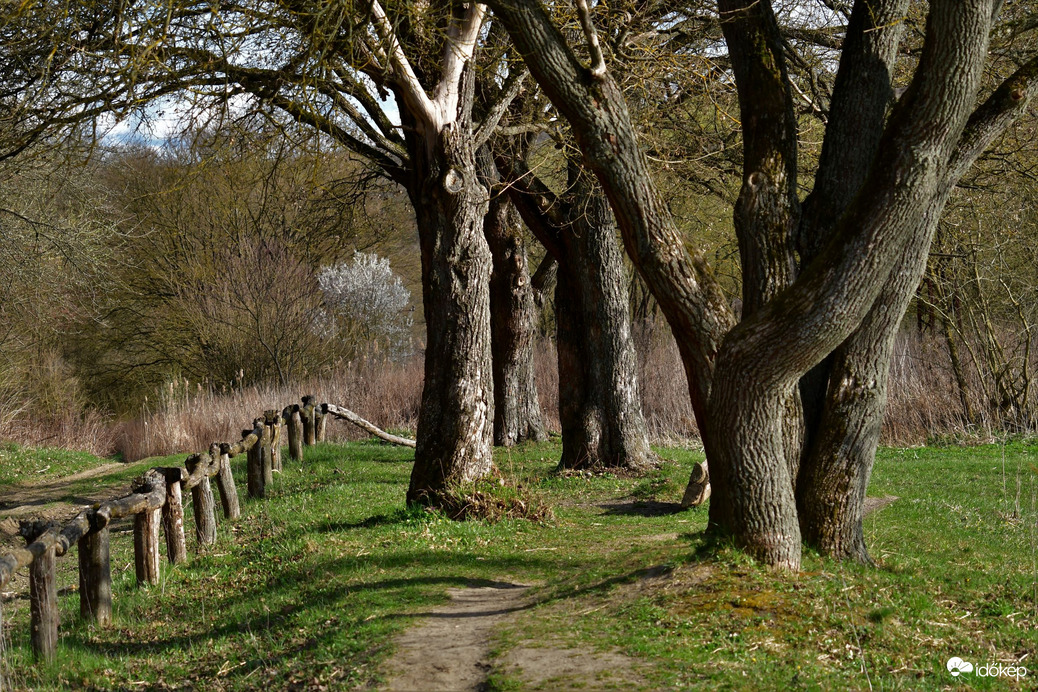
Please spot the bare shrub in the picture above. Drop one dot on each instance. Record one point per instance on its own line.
(41, 404)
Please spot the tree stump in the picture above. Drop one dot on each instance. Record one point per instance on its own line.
(43, 594)
(95, 573)
(225, 481)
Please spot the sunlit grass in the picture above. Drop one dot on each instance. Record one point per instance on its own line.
(311, 585)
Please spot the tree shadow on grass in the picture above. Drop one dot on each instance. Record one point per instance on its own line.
(641, 508)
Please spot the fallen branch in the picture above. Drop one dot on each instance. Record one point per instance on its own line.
(352, 417)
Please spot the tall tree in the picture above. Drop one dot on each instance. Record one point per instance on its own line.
(599, 400)
(744, 380)
(330, 68)
(517, 408)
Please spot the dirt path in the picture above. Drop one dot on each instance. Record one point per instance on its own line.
(52, 499)
(450, 650)
(24, 498)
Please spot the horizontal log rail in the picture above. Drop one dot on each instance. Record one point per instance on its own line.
(155, 501)
(347, 415)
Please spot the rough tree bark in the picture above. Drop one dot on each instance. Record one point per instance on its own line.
(455, 424)
(517, 409)
(599, 401)
(836, 470)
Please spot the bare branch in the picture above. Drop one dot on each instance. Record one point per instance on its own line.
(598, 66)
(461, 44)
(509, 90)
(414, 94)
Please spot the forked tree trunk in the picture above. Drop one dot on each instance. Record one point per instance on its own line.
(517, 410)
(741, 386)
(835, 475)
(455, 425)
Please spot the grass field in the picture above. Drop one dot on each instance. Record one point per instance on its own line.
(309, 588)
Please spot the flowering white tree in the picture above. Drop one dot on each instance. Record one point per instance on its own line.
(367, 303)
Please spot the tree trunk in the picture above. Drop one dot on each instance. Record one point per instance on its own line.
(599, 401)
(741, 386)
(517, 410)
(455, 425)
(835, 475)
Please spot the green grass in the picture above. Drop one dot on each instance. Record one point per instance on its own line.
(19, 464)
(311, 585)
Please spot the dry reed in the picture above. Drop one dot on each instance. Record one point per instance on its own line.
(925, 403)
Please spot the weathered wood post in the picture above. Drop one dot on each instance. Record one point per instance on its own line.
(270, 433)
(322, 422)
(173, 516)
(43, 592)
(202, 500)
(254, 466)
(295, 432)
(275, 441)
(307, 414)
(225, 481)
(95, 571)
(146, 535)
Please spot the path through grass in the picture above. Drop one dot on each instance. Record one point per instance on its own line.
(311, 587)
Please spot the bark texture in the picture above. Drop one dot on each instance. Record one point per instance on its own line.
(745, 388)
(680, 278)
(599, 400)
(517, 409)
(95, 578)
(455, 426)
(833, 480)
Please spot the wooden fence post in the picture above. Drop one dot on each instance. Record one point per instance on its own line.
(225, 481)
(146, 545)
(43, 594)
(322, 423)
(146, 533)
(203, 503)
(173, 516)
(295, 432)
(255, 465)
(274, 420)
(95, 572)
(270, 435)
(309, 420)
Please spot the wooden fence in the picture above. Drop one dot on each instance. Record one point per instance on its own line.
(156, 499)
